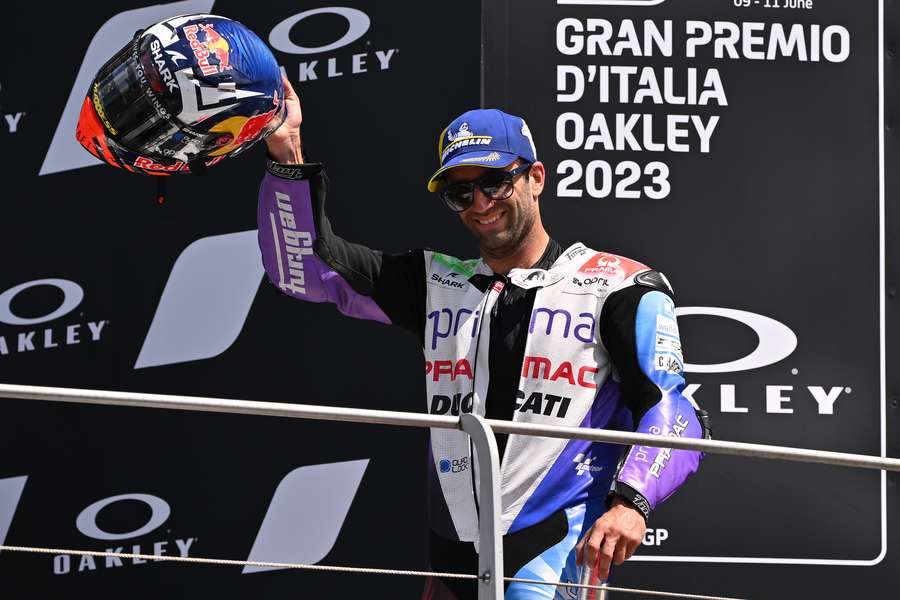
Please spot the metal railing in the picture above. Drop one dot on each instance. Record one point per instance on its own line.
(480, 430)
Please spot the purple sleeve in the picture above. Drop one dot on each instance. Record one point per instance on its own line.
(657, 472)
(287, 230)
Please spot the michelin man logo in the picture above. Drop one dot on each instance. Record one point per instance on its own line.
(462, 133)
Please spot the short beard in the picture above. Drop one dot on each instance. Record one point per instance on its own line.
(509, 247)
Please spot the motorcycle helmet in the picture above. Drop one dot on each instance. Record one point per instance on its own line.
(183, 95)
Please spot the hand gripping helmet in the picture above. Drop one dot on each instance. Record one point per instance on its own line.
(183, 95)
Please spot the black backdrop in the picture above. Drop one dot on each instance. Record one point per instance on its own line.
(783, 224)
(779, 217)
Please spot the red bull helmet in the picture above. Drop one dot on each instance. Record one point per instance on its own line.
(183, 95)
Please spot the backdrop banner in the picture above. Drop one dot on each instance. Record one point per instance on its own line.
(737, 146)
(102, 287)
(734, 145)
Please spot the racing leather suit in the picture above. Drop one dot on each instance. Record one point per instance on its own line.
(594, 344)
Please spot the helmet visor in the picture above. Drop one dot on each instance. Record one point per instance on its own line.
(130, 98)
(133, 114)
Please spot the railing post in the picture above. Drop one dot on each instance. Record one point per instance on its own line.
(490, 544)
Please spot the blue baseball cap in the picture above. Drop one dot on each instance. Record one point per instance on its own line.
(485, 137)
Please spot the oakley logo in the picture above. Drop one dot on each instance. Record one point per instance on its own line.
(776, 340)
(65, 153)
(86, 522)
(357, 25)
(72, 297)
(301, 524)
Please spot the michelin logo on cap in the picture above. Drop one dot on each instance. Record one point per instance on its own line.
(463, 132)
(463, 137)
(498, 138)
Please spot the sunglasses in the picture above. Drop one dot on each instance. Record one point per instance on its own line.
(496, 185)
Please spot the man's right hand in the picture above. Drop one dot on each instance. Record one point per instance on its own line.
(284, 144)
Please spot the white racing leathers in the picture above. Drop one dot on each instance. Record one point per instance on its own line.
(566, 376)
(567, 379)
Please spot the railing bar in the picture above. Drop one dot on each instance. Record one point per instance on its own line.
(382, 417)
(708, 446)
(229, 406)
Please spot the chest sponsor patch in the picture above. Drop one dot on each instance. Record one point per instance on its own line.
(532, 278)
(450, 281)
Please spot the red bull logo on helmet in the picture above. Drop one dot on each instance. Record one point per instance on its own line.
(243, 129)
(149, 164)
(211, 45)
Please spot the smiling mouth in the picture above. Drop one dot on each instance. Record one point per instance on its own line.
(490, 220)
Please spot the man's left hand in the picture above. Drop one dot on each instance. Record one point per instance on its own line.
(612, 539)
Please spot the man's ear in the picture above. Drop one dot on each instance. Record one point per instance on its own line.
(537, 177)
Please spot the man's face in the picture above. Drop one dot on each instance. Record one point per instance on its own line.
(500, 226)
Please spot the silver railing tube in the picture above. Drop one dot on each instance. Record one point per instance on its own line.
(490, 541)
(481, 431)
(383, 417)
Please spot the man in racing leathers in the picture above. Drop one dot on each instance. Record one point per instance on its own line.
(531, 332)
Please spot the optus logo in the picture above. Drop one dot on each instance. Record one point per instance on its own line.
(301, 525)
(43, 331)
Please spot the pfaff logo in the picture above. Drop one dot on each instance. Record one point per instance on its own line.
(311, 498)
(453, 370)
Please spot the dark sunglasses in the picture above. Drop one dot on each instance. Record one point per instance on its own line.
(496, 185)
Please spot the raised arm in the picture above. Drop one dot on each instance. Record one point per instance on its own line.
(303, 256)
